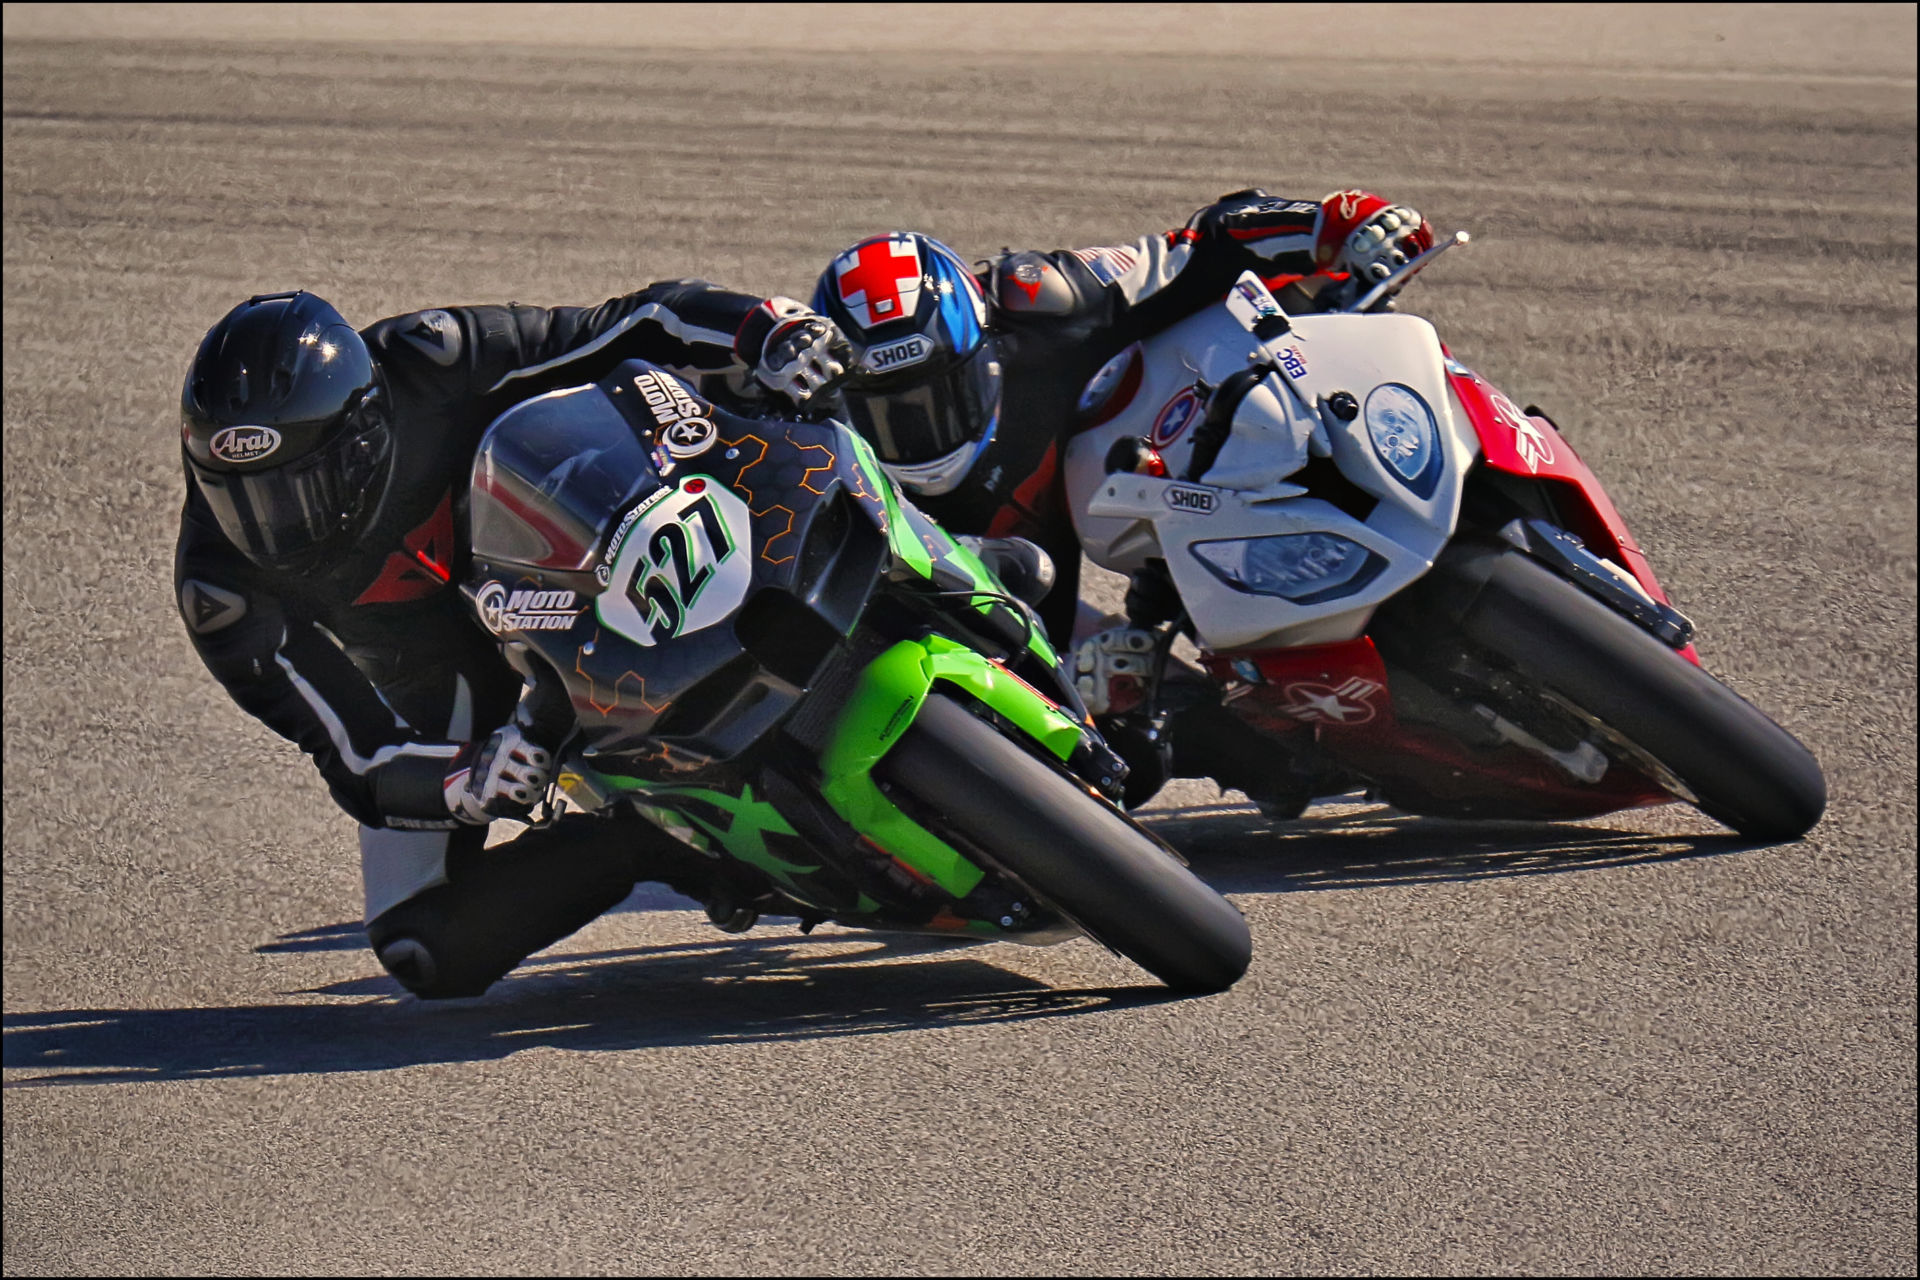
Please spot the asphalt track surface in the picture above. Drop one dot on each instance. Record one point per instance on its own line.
(1635, 1044)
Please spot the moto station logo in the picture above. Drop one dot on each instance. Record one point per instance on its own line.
(525, 609)
(685, 430)
(243, 444)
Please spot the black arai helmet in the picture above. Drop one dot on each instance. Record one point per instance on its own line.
(284, 426)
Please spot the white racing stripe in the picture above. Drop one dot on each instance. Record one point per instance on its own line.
(667, 320)
(1284, 242)
(357, 763)
(1154, 268)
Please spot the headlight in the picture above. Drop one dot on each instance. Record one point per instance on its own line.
(1302, 567)
(1402, 429)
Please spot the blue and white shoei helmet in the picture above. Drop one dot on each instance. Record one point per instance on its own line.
(925, 389)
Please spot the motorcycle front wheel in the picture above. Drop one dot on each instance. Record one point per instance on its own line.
(1072, 850)
(1734, 763)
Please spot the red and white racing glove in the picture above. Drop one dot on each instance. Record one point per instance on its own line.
(792, 349)
(1367, 236)
(1111, 669)
(502, 778)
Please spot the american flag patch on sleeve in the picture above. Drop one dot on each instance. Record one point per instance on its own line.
(1108, 263)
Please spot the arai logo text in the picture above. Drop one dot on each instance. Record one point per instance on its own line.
(525, 609)
(244, 444)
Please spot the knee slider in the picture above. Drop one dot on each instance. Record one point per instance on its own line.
(419, 946)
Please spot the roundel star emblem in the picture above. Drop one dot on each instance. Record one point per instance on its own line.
(689, 437)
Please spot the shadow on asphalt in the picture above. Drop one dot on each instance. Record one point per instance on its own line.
(728, 991)
(1236, 850)
(777, 987)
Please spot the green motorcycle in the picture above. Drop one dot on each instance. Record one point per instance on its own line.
(759, 644)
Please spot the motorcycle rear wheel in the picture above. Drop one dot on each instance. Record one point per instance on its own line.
(1743, 769)
(1075, 852)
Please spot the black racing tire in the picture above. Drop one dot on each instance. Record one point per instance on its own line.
(1072, 850)
(1743, 769)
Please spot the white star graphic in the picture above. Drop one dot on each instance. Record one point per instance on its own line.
(1324, 705)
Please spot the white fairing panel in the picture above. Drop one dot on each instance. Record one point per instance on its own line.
(1278, 429)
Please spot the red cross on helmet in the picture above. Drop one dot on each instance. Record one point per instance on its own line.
(925, 386)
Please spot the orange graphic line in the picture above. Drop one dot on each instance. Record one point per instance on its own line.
(776, 537)
(830, 463)
(593, 688)
(740, 480)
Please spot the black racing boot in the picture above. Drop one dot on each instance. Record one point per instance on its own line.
(1143, 745)
(1209, 741)
(500, 905)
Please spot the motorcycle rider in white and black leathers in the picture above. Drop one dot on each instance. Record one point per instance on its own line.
(319, 556)
(970, 383)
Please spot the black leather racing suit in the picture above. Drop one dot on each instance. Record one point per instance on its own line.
(375, 666)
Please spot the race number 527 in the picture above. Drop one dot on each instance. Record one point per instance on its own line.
(683, 568)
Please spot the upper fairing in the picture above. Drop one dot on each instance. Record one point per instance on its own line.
(623, 562)
(1278, 429)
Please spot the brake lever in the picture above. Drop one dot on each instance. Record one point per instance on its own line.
(1398, 280)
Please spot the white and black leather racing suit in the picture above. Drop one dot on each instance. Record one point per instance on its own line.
(376, 667)
(1058, 316)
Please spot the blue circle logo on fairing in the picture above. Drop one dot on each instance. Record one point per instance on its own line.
(1175, 417)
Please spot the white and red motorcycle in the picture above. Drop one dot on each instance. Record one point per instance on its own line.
(1399, 579)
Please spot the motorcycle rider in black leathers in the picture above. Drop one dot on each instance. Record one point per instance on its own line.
(969, 384)
(319, 549)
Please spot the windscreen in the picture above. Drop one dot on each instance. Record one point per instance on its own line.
(549, 477)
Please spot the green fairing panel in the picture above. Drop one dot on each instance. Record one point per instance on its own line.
(925, 547)
(883, 704)
(906, 543)
(745, 835)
